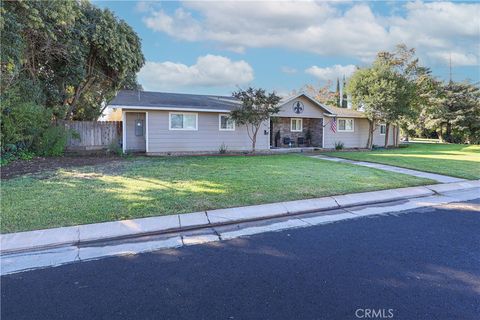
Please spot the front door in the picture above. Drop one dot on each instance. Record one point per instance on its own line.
(136, 140)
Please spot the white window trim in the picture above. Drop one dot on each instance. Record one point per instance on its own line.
(220, 122)
(380, 129)
(291, 125)
(182, 129)
(353, 125)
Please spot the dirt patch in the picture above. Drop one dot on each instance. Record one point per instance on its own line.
(39, 165)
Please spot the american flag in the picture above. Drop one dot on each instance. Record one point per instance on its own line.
(333, 124)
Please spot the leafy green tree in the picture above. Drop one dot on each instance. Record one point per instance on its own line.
(257, 107)
(76, 53)
(381, 92)
(419, 90)
(458, 111)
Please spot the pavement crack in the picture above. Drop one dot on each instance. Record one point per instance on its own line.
(217, 234)
(77, 257)
(208, 218)
(310, 224)
(338, 204)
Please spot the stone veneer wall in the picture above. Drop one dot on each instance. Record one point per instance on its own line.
(283, 125)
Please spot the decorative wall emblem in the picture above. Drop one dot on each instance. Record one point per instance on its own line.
(298, 107)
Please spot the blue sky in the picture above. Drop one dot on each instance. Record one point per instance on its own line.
(215, 47)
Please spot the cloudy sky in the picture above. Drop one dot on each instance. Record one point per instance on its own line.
(215, 47)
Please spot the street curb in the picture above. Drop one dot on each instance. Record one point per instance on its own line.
(37, 240)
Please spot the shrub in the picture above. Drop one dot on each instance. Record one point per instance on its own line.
(23, 123)
(6, 158)
(26, 155)
(223, 148)
(115, 148)
(52, 141)
(339, 145)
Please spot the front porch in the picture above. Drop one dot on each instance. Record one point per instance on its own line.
(289, 132)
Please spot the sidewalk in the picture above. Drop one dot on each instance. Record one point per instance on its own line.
(433, 176)
(107, 231)
(41, 249)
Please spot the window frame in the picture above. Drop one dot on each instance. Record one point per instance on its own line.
(291, 124)
(346, 130)
(182, 113)
(384, 125)
(220, 122)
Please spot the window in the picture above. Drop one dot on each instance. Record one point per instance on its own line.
(226, 123)
(296, 125)
(139, 128)
(383, 129)
(183, 121)
(345, 125)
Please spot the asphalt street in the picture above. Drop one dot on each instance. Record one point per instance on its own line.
(423, 264)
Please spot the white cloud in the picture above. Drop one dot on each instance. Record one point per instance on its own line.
(351, 29)
(142, 6)
(331, 73)
(147, 6)
(455, 57)
(208, 71)
(288, 70)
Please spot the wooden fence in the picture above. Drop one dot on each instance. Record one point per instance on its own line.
(93, 135)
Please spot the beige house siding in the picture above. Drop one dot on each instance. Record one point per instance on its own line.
(357, 138)
(207, 137)
(133, 142)
(310, 110)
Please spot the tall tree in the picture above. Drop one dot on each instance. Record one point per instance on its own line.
(456, 114)
(257, 107)
(420, 87)
(76, 54)
(344, 94)
(381, 92)
(337, 94)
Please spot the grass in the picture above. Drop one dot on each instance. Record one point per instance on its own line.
(456, 160)
(142, 187)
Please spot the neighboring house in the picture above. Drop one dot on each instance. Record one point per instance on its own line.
(162, 123)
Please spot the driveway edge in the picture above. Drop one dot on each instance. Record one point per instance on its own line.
(36, 240)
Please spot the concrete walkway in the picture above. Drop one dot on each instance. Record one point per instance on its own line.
(433, 176)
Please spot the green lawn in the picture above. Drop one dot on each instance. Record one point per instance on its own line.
(142, 187)
(456, 160)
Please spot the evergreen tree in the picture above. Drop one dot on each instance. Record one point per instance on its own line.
(337, 94)
(344, 94)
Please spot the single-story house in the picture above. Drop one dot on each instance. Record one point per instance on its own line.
(161, 123)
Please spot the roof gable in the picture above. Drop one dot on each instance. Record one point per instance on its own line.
(306, 96)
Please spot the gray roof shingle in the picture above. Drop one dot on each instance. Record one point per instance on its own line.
(133, 98)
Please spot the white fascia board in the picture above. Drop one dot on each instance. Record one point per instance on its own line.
(170, 109)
